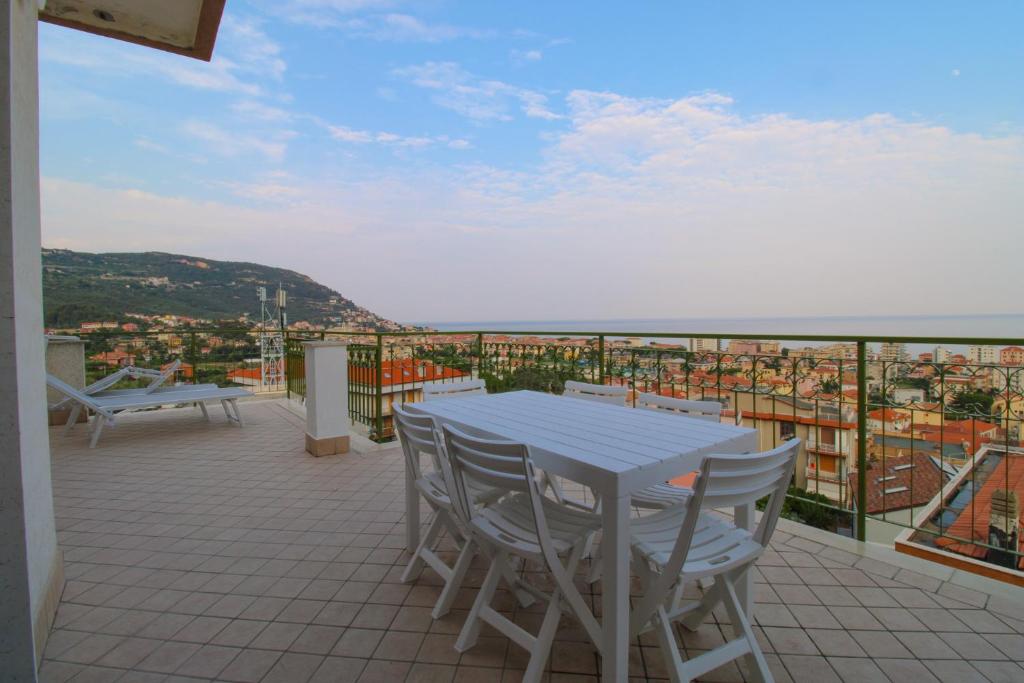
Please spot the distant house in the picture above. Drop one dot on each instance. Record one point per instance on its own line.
(249, 377)
(1011, 355)
(185, 370)
(888, 420)
(130, 327)
(402, 381)
(114, 359)
(899, 483)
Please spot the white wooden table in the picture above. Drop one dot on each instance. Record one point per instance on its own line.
(612, 449)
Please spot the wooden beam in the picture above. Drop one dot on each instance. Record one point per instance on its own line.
(202, 46)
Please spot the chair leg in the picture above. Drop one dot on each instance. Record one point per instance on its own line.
(667, 643)
(72, 419)
(757, 666)
(471, 629)
(452, 586)
(545, 638)
(97, 428)
(415, 565)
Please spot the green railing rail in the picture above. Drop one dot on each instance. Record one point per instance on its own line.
(831, 400)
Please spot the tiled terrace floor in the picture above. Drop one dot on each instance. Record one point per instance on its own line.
(199, 551)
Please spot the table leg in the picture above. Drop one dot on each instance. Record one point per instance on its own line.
(615, 586)
(412, 512)
(745, 586)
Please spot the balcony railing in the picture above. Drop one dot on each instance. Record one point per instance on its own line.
(932, 417)
(919, 439)
(222, 356)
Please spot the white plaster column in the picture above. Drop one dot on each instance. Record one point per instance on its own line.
(327, 420)
(30, 567)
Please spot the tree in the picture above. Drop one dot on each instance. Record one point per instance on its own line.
(829, 386)
(971, 404)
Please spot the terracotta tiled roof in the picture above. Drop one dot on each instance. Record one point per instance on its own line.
(899, 483)
(973, 521)
(404, 371)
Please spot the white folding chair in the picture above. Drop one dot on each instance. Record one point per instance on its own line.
(469, 387)
(416, 433)
(687, 543)
(602, 393)
(661, 496)
(525, 524)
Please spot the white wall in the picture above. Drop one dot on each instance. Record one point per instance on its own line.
(28, 541)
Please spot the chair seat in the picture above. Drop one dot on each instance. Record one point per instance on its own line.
(661, 496)
(717, 545)
(510, 523)
(432, 486)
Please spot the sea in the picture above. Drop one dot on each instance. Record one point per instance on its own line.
(1003, 326)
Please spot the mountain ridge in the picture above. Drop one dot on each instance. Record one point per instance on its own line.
(83, 286)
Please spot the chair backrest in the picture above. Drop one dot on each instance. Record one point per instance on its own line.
(162, 377)
(99, 385)
(702, 410)
(416, 434)
(468, 387)
(725, 481)
(730, 480)
(501, 464)
(75, 395)
(602, 393)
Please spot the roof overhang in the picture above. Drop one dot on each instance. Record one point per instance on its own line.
(185, 27)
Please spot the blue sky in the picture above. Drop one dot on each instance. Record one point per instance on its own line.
(442, 160)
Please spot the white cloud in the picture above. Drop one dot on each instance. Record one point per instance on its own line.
(231, 143)
(641, 207)
(245, 56)
(370, 19)
(349, 135)
(150, 145)
(955, 73)
(254, 52)
(405, 28)
(473, 97)
(254, 109)
(520, 57)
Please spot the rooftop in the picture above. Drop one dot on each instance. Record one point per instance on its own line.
(197, 551)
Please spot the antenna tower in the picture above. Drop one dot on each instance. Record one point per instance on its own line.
(273, 321)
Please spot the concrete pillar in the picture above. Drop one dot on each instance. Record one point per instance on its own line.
(30, 569)
(327, 420)
(65, 360)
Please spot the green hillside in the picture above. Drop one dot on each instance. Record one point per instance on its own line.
(80, 287)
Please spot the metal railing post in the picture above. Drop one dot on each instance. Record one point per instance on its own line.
(862, 439)
(378, 396)
(479, 355)
(600, 359)
(193, 358)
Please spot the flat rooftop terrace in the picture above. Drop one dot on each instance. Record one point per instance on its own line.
(200, 551)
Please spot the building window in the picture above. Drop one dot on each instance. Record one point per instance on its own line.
(787, 431)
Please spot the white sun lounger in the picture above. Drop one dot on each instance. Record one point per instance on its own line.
(101, 386)
(105, 408)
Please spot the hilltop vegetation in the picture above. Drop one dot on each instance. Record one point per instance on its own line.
(79, 287)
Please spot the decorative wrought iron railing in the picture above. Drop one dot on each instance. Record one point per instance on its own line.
(223, 356)
(899, 433)
(885, 428)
